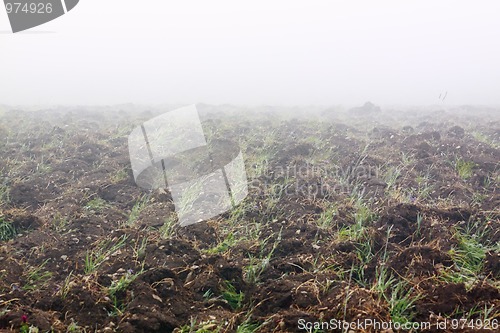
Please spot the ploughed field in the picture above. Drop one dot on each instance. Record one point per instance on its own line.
(350, 216)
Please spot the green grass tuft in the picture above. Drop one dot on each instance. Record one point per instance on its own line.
(7, 230)
(464, 168)
(233, 297)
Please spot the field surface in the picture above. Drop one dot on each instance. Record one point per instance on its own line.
(351, 215)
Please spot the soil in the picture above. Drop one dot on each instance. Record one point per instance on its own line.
(67, 188)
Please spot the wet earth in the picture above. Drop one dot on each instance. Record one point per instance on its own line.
(382, 216)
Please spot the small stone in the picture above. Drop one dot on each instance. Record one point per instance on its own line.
(209, 327)
(156, 297)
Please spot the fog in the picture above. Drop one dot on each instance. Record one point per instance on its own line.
(255, 53)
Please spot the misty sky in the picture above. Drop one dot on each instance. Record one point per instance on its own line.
(257, 52)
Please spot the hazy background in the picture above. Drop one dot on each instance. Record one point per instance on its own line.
(257, 52)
